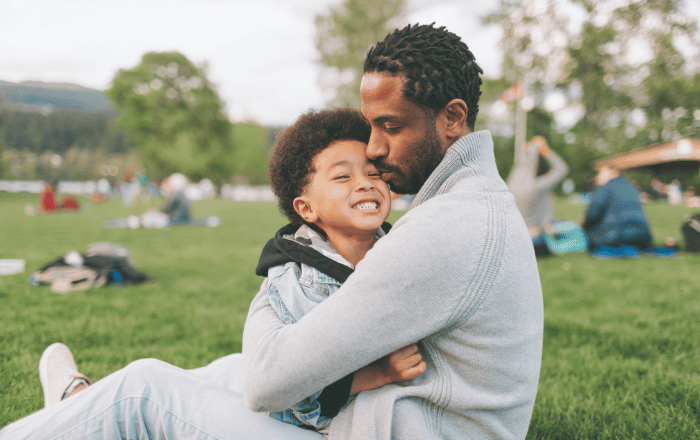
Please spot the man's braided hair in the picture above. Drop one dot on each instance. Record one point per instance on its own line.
(437, 65)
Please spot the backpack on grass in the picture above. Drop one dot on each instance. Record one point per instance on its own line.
(691, 232)
(102, 263)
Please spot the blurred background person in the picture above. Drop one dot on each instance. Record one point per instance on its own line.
(657, 190)
(691, 200)
(532, 188)
(129, 188)
(176, 205)
(674, 193)
(47, 200)
(615, 216)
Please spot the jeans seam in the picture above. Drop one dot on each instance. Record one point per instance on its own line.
(170, 413)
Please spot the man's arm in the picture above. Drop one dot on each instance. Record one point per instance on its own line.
(403, 364)
(410, 285)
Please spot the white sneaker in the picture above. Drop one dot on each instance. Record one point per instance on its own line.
(57, 370)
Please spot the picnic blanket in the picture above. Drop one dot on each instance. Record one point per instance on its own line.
(570, 237)
(633, 252)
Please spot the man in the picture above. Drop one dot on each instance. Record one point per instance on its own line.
(615, 217)
(457, 272)
(532, 190)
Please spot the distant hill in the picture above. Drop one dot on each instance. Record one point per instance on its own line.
(45, 97)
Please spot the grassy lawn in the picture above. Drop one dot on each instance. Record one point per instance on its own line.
(621, 348)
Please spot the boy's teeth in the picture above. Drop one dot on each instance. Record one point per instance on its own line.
(367, 205)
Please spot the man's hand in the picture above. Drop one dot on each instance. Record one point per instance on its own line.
(403, 364)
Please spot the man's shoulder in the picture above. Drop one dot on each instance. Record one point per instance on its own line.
(459, 218)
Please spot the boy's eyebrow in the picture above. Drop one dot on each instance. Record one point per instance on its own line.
(340, 162)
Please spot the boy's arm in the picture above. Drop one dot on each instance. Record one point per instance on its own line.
(403, 364)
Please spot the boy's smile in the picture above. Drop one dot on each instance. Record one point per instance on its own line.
(345, 194)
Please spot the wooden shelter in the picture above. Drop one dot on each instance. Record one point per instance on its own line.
(680, 156)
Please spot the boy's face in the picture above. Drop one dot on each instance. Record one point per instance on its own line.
(346, 194)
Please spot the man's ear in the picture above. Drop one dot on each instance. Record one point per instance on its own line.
(303, 207)
(455, 114)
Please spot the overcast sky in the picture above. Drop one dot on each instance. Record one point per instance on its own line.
(260, 53)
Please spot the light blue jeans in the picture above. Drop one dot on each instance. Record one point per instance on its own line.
(150, 399)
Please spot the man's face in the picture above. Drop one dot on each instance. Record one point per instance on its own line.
(404, 144)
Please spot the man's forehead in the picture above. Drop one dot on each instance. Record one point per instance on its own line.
(371, 79)
(382, 96)
(381, 82)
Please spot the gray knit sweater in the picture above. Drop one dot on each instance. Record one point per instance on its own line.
(458, 273)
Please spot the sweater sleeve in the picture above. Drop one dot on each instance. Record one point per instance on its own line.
(557, 171)
(422, 277)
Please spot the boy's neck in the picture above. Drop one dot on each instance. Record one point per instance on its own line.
(352, 247)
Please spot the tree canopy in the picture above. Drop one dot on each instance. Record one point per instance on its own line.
(612, 75)
(343, 37)
(175, 117)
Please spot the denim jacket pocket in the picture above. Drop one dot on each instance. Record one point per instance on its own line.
(316, 284)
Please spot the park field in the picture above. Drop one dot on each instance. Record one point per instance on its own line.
(621, 339)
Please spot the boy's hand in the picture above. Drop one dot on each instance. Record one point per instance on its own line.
(403, 364)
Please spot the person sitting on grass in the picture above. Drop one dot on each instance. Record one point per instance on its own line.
(616, 217)
(47, 200)
(337, 204)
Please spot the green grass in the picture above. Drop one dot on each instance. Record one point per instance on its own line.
(621, 352)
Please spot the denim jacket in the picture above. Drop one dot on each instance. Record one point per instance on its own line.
(294, 289)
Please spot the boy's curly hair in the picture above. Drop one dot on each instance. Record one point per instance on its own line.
(437, 65)
(291, 162)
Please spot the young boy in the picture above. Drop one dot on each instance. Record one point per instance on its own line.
(337, 204)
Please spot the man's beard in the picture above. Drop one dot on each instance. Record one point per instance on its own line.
(418, 165)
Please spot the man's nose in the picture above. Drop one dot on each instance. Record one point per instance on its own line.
(376, 147)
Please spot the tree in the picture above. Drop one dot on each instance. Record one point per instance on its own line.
(343, 37)
(175, 117)
(628, 63)
(619, 68)
(251, 162)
